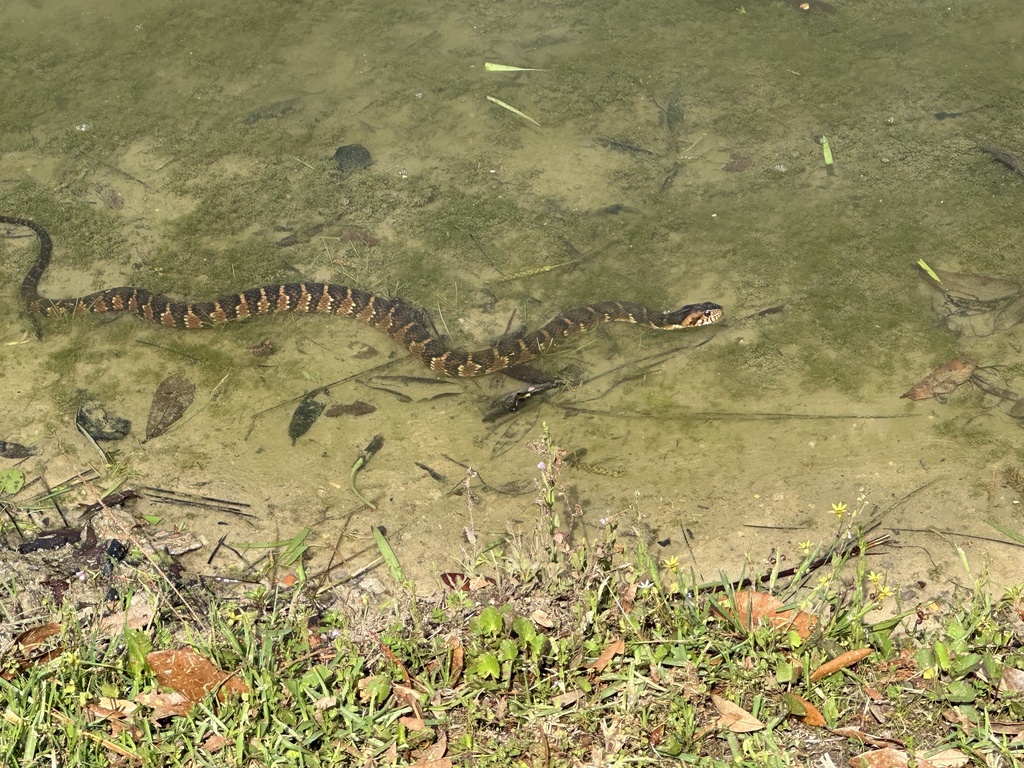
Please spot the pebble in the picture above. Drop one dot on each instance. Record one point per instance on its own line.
(352, 157)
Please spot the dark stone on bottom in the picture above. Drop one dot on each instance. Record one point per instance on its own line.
(353, 157)
(99, 424)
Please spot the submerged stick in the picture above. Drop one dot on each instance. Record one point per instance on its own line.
(367, 453)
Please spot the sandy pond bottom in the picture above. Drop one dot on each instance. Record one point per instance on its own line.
(719, 486)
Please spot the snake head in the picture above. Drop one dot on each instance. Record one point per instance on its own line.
(693, 315)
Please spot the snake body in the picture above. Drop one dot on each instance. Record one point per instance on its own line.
(395, 317)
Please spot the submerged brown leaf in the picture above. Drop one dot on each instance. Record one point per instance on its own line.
(172, 398)
(943, 380)
(976, 290)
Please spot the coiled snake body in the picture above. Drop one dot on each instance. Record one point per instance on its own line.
(395, 317)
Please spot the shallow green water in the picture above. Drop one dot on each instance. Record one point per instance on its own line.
(765, 420)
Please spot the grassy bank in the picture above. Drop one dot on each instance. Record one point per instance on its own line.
(554, 647)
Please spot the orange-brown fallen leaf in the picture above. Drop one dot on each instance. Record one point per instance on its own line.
(759, 608)
(735, 717)
(611, 650)
(842, 661)
(943, 380)
(457, 659)
(873, 693)
(949, 758)
(811, 714)
(191, 674)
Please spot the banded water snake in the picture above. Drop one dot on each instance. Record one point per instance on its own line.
(395, 317)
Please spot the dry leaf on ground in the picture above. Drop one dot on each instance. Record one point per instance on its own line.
(174, 395)
(807, 712)
(735, 717)
(164, 704)
(842, 661)
(1012, 680)
(456, 659)
(434, 753)
(613, 649)
(759, 608)
(192, 675)
(896, 758)
(138, 615)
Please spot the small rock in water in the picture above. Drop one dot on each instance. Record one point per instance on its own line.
(352, 157)
(11, 450)
(98, 423)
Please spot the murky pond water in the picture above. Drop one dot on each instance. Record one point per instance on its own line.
(667, 154)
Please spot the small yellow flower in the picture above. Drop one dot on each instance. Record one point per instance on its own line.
(884, 593)
(839, 510)
(805, 547)
(876, 578)
(671, 563)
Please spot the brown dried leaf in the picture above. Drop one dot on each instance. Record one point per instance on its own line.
(1007, 729)
(31, 639)
(812, 715)
(888, 758)
(164, 704)
(758, 608)
(172, 397)
(435, 751)
(856, 734)
(192, 675)
(138, 615)
(458, 658)
(215, 743)
(949, 758)
(943, 380)
(611, 650)
(735, 717)
(568, 698)
(1012, 680)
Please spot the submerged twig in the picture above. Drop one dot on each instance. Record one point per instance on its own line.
(365, 455)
